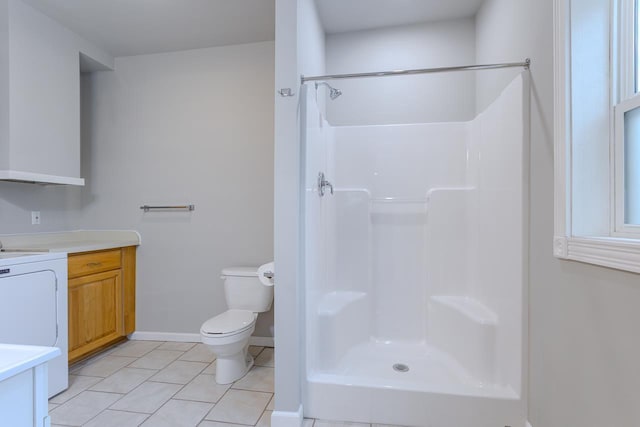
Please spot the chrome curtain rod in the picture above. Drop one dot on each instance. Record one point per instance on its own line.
(524, 64)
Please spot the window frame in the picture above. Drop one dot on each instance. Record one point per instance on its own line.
(620, 247)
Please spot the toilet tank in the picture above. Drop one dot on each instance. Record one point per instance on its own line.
(243, 290)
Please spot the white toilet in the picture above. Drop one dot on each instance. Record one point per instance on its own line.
(248, 291)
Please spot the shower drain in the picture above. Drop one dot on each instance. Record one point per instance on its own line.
(401, 367)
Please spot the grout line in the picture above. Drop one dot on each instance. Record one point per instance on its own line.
(256, 391)
(98, 414)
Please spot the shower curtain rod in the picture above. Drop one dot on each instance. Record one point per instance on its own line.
(524, 64)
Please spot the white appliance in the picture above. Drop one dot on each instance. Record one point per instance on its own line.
(33, 307)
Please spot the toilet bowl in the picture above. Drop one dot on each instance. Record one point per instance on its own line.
(227, 334)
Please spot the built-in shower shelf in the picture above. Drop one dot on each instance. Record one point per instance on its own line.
(469, 307)
(335, 302)
(473, 344)
(397, 200)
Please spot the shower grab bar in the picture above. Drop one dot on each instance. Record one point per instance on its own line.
(148, 208)
(526, 64)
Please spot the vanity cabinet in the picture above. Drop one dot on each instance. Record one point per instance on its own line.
(101, 299)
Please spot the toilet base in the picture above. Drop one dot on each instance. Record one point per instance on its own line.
(232, 368)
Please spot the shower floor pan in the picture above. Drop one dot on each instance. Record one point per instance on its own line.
(435, 391)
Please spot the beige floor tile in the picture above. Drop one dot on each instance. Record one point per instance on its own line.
(254, 350)
(156, 359)
(271, 404)
(177, 346)
(206, 423)
(259, 378)
(265, 358)
(265, 419)
(179, 413)
(123, 381)
(320, 423)
(240, 407)
(134, 348)
(199, 353)
(82, 408)
(179, 372)
(104, 367)
(147, 398)
(385, 425)
(307, 422)
(203, 388)
(90, 360)
(211, 369)
(111, 418)
(77, 384)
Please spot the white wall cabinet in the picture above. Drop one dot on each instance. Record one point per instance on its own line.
(40, 96)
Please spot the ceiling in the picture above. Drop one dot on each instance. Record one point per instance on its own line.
(135, 27)
(338, 16)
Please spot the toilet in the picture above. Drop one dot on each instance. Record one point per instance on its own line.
(248, 291)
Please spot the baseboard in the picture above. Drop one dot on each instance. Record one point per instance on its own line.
(261, 341)
(164, 336)
(184, 337)
(287, 419)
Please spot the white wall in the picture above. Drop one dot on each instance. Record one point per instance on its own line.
(410, 99)
(56, 205)
(583, 319)
(4, 85)
(299, 50)
(186, 127)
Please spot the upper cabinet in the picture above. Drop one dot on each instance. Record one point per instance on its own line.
(40, 96)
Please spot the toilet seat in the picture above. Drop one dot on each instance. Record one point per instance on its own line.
(229, 323)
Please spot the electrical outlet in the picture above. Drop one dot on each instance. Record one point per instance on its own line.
(35, 217)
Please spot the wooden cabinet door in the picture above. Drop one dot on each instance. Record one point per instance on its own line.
(95, 312)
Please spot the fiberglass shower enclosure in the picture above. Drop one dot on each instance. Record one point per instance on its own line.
(415, 267)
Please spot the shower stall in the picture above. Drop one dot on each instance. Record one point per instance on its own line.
(415, 271)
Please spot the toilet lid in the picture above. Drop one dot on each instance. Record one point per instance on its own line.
(229, 321)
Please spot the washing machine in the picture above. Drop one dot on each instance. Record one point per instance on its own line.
(33, 307)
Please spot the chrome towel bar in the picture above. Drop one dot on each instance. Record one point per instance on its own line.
(148, 208)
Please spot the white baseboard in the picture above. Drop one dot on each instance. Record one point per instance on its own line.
(184, 337)
(287, 419)
(261, 341)
(164, 336)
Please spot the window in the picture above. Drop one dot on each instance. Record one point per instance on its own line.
(597, 132)
(626, 168)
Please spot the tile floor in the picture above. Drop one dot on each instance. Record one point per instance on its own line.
(158, 384)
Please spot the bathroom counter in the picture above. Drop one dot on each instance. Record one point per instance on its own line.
(70, 241)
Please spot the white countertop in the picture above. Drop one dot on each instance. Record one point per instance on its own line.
(70, 241)
(15, 359)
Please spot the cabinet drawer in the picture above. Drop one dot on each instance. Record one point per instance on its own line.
(94, 262)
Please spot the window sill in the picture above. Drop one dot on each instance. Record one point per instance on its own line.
(612, 252)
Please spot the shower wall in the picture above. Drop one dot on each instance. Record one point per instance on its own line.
(423, 241)
(411, 99)
(383, 175)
